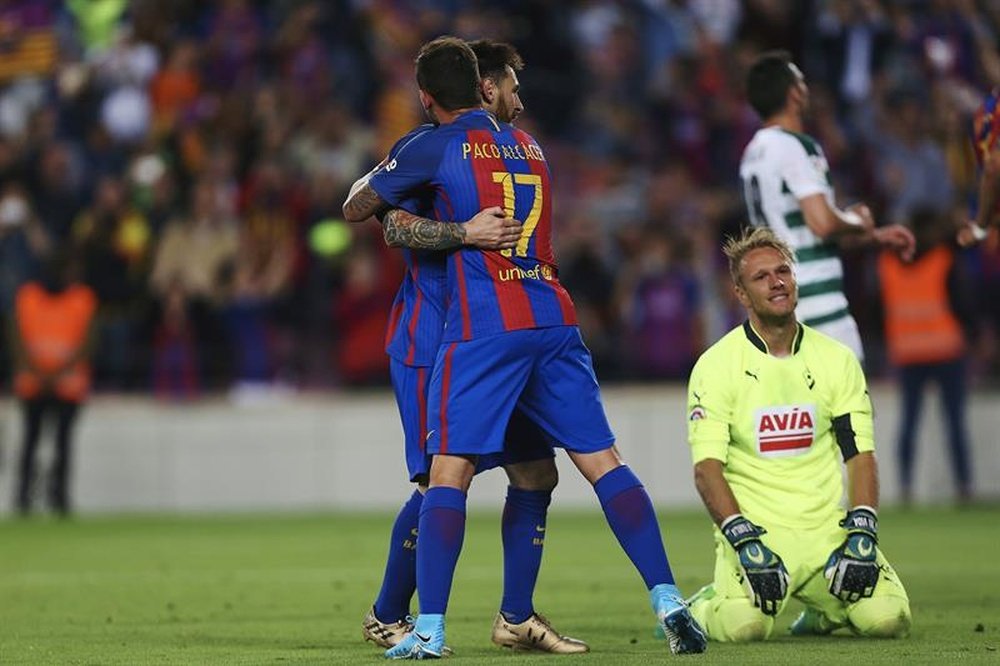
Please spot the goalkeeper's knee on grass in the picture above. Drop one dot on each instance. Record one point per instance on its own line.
(732, 620)
(881, 617)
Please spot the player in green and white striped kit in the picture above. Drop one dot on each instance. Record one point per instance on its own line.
(786, 184)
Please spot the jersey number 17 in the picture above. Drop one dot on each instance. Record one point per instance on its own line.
(508, 181)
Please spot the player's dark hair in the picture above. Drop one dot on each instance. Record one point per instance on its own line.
(494, 58)
(448, 72)
(768, 82)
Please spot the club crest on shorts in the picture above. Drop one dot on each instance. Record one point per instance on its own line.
(785, 430)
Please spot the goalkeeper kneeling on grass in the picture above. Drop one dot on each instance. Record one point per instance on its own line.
(774, 406)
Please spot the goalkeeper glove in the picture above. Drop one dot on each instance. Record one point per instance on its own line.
(763, 570)
(851, 569)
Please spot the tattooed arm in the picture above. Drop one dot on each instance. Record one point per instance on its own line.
(489, 229)
(363, 201)
(403, 229)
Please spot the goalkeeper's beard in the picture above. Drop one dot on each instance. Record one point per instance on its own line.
(771, 320)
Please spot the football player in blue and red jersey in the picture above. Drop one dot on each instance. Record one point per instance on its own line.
(510, 340)
(986, 142)
(414, 334)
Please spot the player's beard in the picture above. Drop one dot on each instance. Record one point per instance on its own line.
(804, 105)
(504, 113)
(772, 319)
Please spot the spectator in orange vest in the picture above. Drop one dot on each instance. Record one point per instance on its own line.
(924, 313)
(52, 343)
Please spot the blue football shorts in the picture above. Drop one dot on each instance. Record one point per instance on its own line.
(524, 440)
(547, 373)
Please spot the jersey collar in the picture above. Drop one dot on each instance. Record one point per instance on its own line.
(481, 113)
(759, 343)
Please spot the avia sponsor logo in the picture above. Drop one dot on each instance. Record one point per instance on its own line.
(539, 272)
(786, 430)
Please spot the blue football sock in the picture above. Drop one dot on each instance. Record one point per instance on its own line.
(523, 531)
(630, 514)
(442, 530)
(400, 578)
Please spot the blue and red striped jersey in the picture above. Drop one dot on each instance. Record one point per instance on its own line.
(473, 163)
(416, 320)
(986, 125)
(986, 136)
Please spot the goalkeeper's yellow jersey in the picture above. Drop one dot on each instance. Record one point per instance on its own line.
(780, 426)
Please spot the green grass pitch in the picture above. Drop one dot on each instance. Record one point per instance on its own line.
(292, 590)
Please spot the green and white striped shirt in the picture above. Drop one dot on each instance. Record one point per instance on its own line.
(778, 169)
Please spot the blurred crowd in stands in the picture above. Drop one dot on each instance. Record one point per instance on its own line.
(194, 157)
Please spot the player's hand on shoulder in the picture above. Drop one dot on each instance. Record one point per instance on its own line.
(852, 568)
(491, 229)
(898, 238)
(764, 573)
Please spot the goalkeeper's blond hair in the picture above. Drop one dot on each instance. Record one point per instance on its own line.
(753, 238)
